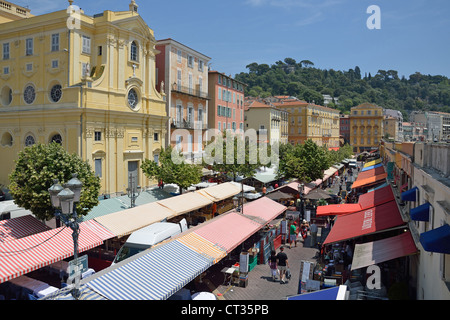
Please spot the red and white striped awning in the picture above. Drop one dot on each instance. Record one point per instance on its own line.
(228, 230)
(20, 256)
(20, 227)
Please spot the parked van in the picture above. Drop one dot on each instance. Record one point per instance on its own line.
(147, 237)
(352, 163)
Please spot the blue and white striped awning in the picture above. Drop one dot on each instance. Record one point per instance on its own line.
(156, 275)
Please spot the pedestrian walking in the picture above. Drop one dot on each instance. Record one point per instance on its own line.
(283, 264)
(273, 265)
(293, 232)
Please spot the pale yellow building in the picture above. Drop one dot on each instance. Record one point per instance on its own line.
(88, 84)
(366, 127)
(391, 129)
(311, 122)
(265, 118)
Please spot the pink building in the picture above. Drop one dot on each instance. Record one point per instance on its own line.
(182, 73)
(226, 107)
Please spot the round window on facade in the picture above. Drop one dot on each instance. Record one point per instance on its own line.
(133, 98)
(56, 138)
(6, 96)
(29, 141)
(29, 94)
(56, 93)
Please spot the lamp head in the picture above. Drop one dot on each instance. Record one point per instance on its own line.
(75, 186)
(54, 190)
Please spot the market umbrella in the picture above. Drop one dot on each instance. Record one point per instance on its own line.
(317, 194)
(277, 195)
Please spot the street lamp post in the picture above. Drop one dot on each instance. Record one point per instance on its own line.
(133, 191)
(301, 192)
(64, 200)
(239, 201)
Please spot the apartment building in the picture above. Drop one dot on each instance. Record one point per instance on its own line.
(437, 123)
(266, 119)
(366, 127)
(421, 172)
(310, 121)
(226, 106)
(182, 74)
(90, 89)
(344, 128)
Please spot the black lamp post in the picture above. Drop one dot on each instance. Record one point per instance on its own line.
(238, 202)
(133, 191)
(64, 200)
(301, 192)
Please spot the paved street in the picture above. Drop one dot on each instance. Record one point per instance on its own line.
(260, 284)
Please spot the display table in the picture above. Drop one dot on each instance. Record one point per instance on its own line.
(230, 274)
(32, 286)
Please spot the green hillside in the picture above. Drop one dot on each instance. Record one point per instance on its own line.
(386, 88)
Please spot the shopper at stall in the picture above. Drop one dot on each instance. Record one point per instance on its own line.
(283, 264)
(293, 232)
(273, 265)
(304, 229)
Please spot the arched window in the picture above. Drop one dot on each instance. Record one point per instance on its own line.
(29, 141)
(56, 138)
(134, 51)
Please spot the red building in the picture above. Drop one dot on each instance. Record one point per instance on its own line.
(226, 107)
(344, 128)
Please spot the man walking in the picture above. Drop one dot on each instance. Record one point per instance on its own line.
(293, 233)
(283, 264)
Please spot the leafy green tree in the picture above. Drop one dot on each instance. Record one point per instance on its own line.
(235, 155)
(306, 162)
(171, 169)
(36, 168)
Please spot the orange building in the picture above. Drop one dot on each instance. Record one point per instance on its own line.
(182, 73)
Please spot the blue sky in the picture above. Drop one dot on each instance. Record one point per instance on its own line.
(414, 34)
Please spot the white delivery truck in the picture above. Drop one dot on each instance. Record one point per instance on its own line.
(147, 237)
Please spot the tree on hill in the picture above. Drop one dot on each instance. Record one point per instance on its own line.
(36, 168)
(386, 88)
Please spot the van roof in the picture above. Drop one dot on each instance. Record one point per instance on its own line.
(149, 234)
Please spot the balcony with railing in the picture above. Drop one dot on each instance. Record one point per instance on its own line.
(186, 124)
(194, 92)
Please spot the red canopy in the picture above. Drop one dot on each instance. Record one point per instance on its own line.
(228, 230)
(365, 222)
(376, 197)
(370, 173)
(365, 201)
(337, 209)
(20, 256)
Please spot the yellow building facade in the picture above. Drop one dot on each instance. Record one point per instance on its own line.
(266, 119)
(88, 85)
(309, 121)
(366, 127)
